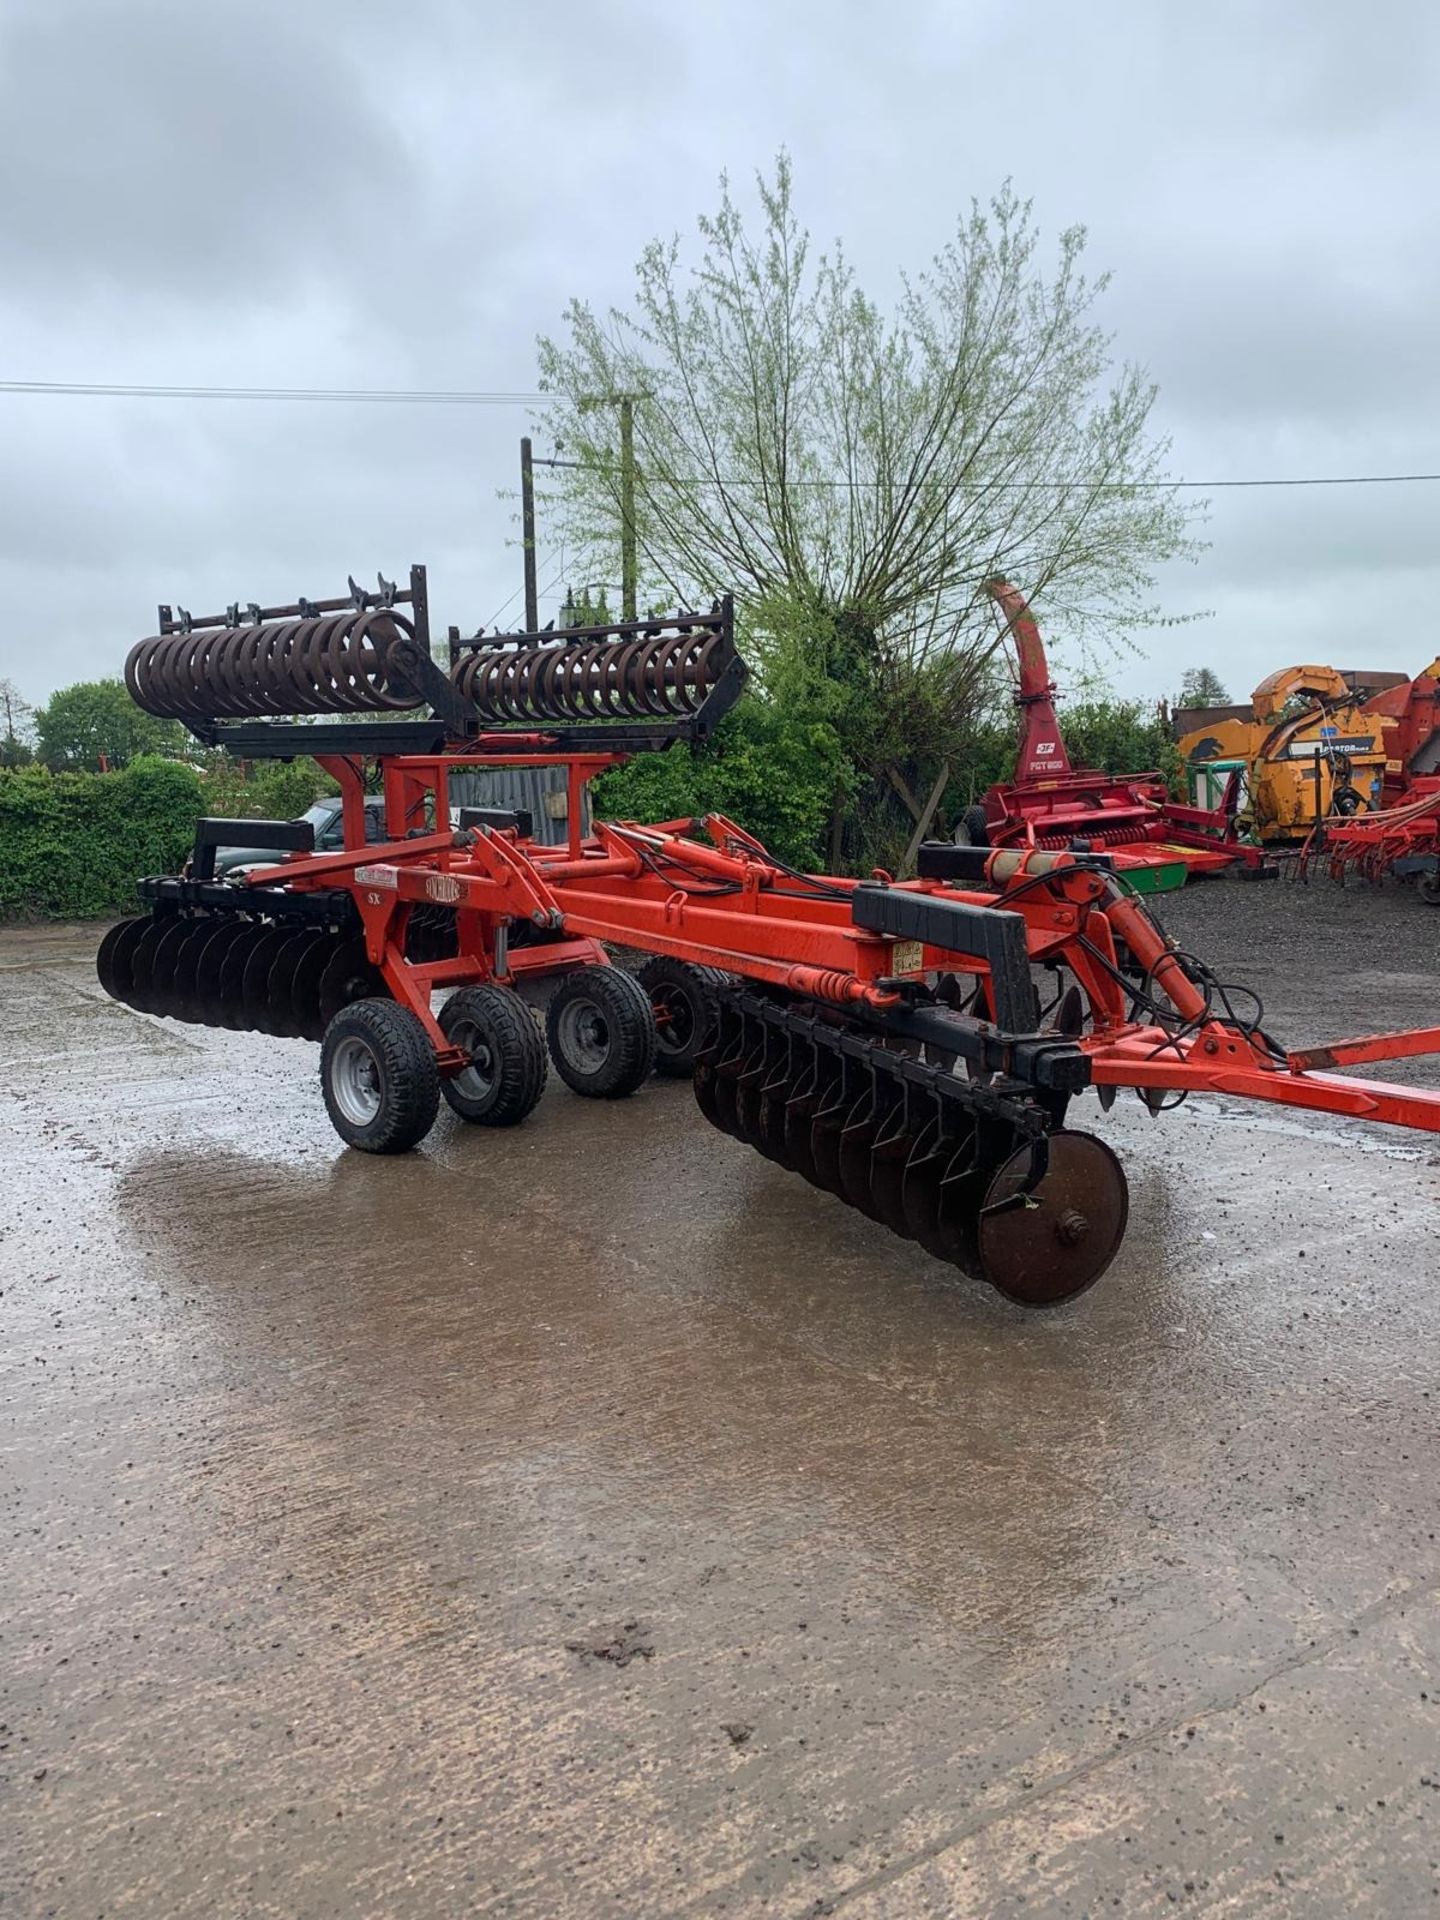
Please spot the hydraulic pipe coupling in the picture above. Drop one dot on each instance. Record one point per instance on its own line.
(638, 678)
(347, 662)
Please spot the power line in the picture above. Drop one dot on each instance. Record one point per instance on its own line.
(396, 396)
(466, 397)
(1112, 486)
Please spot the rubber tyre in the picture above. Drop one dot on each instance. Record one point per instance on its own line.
(406, 1084)
(972, 829)
(681, 997)
(600, 1028)
(1428, 888)
(504, 1026)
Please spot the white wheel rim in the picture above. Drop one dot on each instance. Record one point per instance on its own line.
(355, 1081)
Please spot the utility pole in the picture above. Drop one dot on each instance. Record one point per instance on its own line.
(627, 506)
(527, 524)
(629, 570)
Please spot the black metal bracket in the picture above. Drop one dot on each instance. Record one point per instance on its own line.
(387, 594)
(284, 836)
(982, 933)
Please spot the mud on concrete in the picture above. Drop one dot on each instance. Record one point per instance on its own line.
(594, 1520)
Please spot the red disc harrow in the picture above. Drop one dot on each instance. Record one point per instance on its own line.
(885, 1041)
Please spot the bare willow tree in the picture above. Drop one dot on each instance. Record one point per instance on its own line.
(855, 476)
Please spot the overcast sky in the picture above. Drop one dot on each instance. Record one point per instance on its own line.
(357, 193)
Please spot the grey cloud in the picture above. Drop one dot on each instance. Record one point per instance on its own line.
(348, 192)
(194, 152)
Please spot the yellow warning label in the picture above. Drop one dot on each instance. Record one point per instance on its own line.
(907, 956)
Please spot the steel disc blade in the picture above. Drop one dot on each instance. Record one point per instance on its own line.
(1050, 1245)
(183, 1001)
(142, 958)
(723, 1093)
(920, 1187)
(704, 1081)
(112, 962)
(209, 1008)
(889, 1157)
(799, 1114)
(306, 1018)
(770, 1118)
(280, 989)
(826, 1128)
(963, 1188)
(230, 1001)
(748, 1083)
(1070, 1015)
(348, 976)
(857, 1143)
(162, 966)
(255, 981)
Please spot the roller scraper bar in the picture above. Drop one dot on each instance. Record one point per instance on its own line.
(663, 668)
(360, 654)
(641, 683)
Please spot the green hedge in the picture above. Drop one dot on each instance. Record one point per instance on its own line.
(72, 845)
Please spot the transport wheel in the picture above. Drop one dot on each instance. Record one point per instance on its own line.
(377, 1069)
(601, 1030)
(683, 998)
(1428, 889)
(972, 829)
(507, 1070)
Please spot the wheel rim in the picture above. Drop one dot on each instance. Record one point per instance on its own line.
(355, 1081)
(584, 1035)
(476, 1080)
(674, 1019)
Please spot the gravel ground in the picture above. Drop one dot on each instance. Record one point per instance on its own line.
(1327, 961)
(589, 1520)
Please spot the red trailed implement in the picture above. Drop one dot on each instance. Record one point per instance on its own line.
(1402, 840)
(887, 1042)
(1048, 803)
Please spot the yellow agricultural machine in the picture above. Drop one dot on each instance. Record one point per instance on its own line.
(1306, 750)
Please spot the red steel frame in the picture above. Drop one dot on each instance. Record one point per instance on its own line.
(723, 901)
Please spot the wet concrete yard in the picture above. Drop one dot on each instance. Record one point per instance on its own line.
(593, 1519)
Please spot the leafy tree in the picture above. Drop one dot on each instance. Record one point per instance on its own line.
(771, 771)
(95, 724)
(584, 611)
(16, 727)
(853, 477)
(1201, 687)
